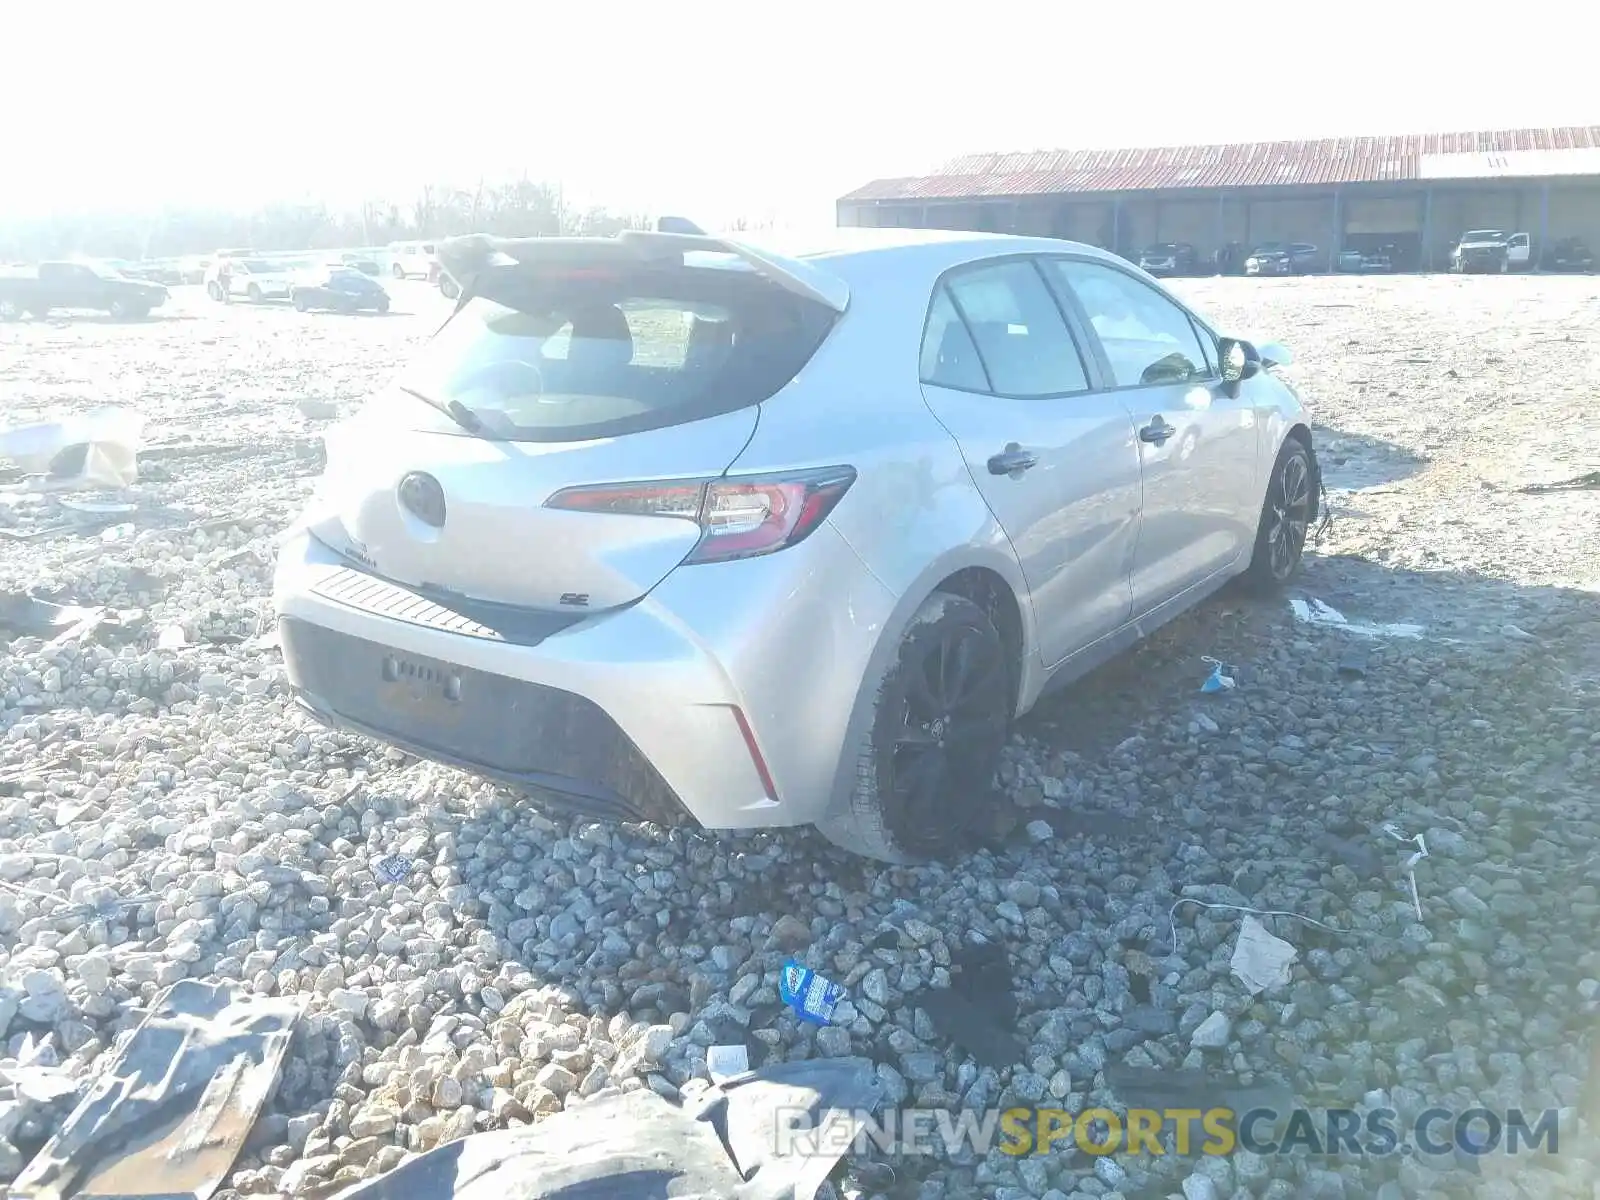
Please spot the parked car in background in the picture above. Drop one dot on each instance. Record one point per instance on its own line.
(553, 549)
(1170, 258)
(448, 287)
(340, 288)
(1269, 260)
(1491, 250)
(97, 287)
(410, 260)
(366, 264)
(1280, 258)
(193, 270)
(1349, 261)
(1568, 254)
(256, 279)
(166, 271)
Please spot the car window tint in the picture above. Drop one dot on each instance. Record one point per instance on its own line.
(1018, 330)
(949, 359)
(1148, 338)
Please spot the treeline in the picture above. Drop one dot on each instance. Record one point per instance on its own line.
(522, 208)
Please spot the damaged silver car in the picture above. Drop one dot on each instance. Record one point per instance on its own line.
(669, 526)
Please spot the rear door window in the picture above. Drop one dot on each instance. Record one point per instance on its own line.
(571, 354)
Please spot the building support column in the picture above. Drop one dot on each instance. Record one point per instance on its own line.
(1222, 232)
(1116, 225)
(1336, 236)
(1544, 227)
(1427, 230)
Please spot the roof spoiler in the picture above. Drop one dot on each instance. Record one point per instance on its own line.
(466, 257)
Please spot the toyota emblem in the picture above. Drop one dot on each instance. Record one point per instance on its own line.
(422, 496)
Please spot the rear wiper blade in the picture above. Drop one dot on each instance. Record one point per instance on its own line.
(454, 409)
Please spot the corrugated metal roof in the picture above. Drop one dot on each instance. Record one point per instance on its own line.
(1244, 165)
(1511, 164)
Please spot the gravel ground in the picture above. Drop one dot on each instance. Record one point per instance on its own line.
(164, 811)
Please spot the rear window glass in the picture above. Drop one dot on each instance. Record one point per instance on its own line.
(571, 355)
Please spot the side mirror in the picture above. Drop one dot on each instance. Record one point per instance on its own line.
(1239, 361)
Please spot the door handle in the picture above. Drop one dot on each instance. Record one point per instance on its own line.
(1012, 461)
(1157, 432)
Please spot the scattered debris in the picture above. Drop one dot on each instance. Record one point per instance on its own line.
(730, 1141)
(1578, 483)
(184, 1089)
(727, 1062)
(1353, 665)
(1315, 612)
(1410, 864)
(94, 449)
(392, 868)
(26, 615)
(1222, 677)
(812, 997)
(317, 410)
(1260, 960)
(978, 1011)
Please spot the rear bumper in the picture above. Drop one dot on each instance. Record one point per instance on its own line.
(722, 696)
(529, 736)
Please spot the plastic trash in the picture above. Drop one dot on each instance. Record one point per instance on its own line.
(1260, 960)
(1221, 678)
(775, 1134)
(812, 997)
(726, 1062)
(99, 448)
(392, 868)
(1410, 864)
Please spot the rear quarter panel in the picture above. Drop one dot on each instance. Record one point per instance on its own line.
(914, 517)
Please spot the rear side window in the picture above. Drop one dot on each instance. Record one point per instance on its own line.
(949, 358)
(570, 354)
(1020, 335)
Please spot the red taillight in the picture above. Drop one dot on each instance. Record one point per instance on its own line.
(739, 516)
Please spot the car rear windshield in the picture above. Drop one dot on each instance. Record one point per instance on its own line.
(567, 354)
(1483, 235)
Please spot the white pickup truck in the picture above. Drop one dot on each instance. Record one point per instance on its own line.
(1492, 250)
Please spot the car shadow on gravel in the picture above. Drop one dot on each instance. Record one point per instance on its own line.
(1355, 461)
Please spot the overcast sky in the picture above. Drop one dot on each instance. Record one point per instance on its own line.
(711, 108)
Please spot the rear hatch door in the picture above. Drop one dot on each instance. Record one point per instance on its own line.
(594, 371)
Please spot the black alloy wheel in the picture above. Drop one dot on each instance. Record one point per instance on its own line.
(1288, 515)
(941, 727)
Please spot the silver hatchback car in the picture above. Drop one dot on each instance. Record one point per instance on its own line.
(667, 526)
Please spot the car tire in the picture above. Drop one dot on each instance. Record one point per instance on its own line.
(254, 293)
(383, 307)
(119, 310)
(398, 271)
(1286, 514)
(300, 303)
(954, 753)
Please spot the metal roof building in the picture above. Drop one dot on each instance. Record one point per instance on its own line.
(1414, 194)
